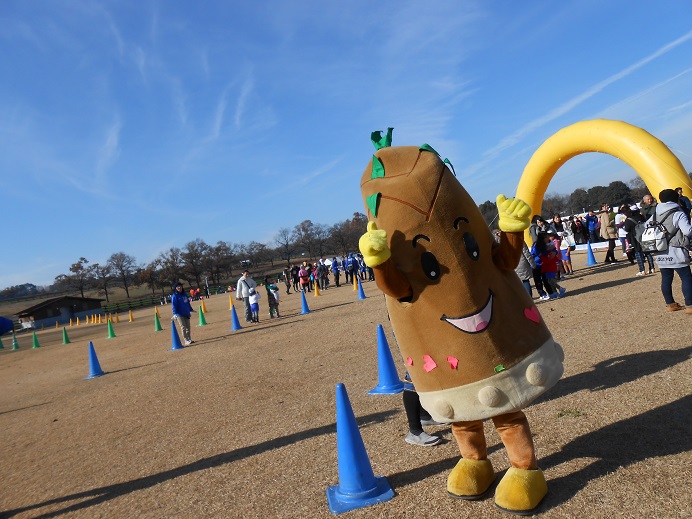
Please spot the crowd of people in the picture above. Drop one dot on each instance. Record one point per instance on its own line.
(548, 259)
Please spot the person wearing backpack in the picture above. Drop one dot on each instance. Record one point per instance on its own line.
(677, 257)
(632, 220)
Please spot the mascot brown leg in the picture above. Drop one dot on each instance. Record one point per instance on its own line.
(473, 474)
(523, 486)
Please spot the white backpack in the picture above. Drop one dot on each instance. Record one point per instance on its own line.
(656, 237)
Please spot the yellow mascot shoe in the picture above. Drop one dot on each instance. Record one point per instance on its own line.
(520, 491)
(470, 479)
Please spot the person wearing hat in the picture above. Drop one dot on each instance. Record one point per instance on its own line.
(180, 304)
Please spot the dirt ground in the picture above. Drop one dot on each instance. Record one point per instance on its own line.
(242, 424)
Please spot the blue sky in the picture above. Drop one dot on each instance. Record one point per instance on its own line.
(138, 126)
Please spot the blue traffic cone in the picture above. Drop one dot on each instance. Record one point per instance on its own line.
(361, 294)
(94, 366)
(175, 338)
(234, 319)
(358, 487)
(389, 382)
(306, 310)
(590, 258)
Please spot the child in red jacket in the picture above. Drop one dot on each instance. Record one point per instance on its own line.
(550, 262)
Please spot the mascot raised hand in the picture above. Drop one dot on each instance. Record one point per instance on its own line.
(474, 344)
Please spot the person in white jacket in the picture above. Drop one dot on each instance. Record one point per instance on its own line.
(677, 257)
(245, 283)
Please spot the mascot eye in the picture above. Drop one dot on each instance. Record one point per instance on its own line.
(431, 267)
(471, 246)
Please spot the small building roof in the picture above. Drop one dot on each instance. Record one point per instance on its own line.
(51, 302)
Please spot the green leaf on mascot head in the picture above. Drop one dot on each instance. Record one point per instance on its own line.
(372, 203)
(447, 161)
(381, 142)
(377, 168)
(427, 147)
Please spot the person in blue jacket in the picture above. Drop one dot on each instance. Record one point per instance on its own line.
(180, 304)
(592, 225)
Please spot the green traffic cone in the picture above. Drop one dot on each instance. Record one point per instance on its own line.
(111, 333)
(1, 345)
(35, 342)
(157, 323)
(65, 338)
(202, 320)
(15, 342)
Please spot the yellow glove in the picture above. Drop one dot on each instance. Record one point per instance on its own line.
(373, 246)
(514, 214)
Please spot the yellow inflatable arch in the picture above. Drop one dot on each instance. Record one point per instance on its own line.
(650, 158)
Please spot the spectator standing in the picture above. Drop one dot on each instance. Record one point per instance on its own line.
(538, 224)
(350, 268)
(539, 278)
(272, 296)
(684, 202)
(254, 298)
(633, 218)
(622, 234)
(608, 232)
(322, 274)
(181, 307)
(245, 284)
(677, 257)
(295, 269)
(335, 271)
(287, 279)
(591, 221)
(304, 276)
(550, 261)
(647, 206)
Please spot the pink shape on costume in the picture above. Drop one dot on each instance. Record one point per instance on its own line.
(409, 361)
(429, 363)
(532, 314)
(453, 362)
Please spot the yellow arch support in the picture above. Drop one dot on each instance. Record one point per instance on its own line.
(650, 158)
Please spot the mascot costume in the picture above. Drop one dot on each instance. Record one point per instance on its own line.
(474, 343)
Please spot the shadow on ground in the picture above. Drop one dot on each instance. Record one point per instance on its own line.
(617, 371)
(106, 493)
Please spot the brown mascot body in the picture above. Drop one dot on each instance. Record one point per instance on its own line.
(473, 341)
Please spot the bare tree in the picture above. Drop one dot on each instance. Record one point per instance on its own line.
(256, 252)
(103, 277)
(123, 267)
(339, 237)
(195, 256)
(320, 238)
(80, 277)
(285, 245)
(150, 275)
(171, 265)
(304, 236)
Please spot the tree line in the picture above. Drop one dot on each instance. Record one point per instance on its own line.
(582, 199)
(198, 262)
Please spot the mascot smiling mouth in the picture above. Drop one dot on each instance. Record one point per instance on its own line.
(473, 323)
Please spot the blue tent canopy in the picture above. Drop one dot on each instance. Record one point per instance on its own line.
(6, 325)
